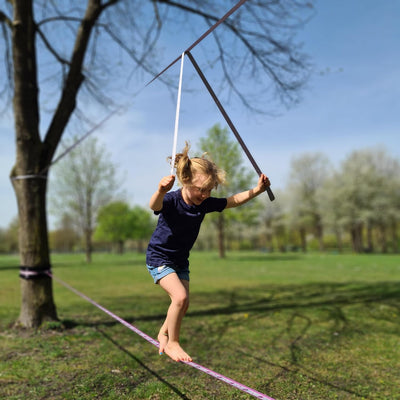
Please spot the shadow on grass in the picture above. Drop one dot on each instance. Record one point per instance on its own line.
(262, 300)
(99, 263)
(78, 264)
(265, 257)
(272, 298)
(143, 365)
(294, 370)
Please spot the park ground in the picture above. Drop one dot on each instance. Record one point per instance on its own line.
(292, 326)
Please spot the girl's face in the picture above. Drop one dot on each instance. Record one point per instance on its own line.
(195, 193)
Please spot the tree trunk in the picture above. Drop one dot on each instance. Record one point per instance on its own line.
(370, 240)
(320, 235)
(357, 239)
(120, 247)
(303, 239)
(395, 237)
(221, 235)
(30, 188)
(88, 245)
(339, 242)
(319, 232)
(384, 244)
(37, 305)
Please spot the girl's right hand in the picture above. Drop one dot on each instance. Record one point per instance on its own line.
(166, 183)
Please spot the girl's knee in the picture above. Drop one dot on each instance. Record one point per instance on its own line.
(181, 300)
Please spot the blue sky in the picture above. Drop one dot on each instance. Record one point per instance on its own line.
(351, 102)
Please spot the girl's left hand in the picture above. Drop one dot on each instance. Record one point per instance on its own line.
(263, 182)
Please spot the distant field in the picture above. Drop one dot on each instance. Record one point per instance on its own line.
(293, 326)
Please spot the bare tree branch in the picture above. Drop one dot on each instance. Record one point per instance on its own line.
(74, 80)
(4, 19)
(275, 56)
(52, 50)
(8, 87)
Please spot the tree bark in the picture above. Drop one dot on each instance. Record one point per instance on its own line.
(37, 303)
(30, 189)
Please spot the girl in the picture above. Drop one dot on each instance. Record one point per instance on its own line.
(180, 215)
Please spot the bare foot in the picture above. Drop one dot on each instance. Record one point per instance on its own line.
(175, 351)
(163, 339)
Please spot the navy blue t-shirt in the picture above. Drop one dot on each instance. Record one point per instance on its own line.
(177, 229)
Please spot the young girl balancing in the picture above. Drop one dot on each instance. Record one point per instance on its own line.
(181, 213)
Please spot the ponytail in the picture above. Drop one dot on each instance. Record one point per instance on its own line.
(186, 168)
(183, 165)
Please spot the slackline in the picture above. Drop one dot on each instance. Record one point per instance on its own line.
(216, 375)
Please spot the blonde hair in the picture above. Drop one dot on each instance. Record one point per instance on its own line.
(187, 167)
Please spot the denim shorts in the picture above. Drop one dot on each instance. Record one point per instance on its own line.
(159, 272)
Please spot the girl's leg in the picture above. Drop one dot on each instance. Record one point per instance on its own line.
(163, 337)
(178, 291)
(163, 333)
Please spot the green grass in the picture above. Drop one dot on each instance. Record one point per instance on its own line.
(293, 326)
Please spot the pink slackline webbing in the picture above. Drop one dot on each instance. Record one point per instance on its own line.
(237, 385)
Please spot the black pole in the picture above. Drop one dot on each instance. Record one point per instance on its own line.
(204, 35)
(228, 120)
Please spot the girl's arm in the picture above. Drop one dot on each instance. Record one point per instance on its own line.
(165, 185)
(243, 197)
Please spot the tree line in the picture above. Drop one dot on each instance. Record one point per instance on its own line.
(355, 206)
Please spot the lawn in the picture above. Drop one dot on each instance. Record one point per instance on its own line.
(292, 326)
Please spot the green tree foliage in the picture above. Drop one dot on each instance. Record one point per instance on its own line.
(143, 226)
(113, 224)
(227, 155)
(308, 173)
(117, 222)
(358, 203)
(364, 196)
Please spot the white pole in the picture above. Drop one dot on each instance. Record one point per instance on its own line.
(178, 105)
